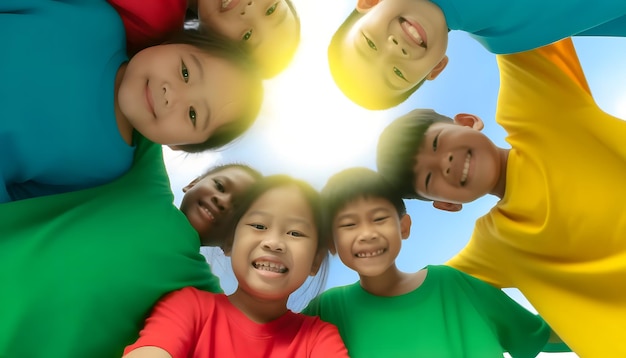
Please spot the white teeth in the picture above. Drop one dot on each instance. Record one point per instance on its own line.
(269, 266)
(370, 254)
(208, 212)
(466, 168)
(225, 3)
(415, 34)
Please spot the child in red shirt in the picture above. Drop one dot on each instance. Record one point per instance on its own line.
(277, 242)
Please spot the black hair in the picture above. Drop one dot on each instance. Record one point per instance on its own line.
(221, 47)
(399, 143)
(355, 183)
(374, 101)
(246, 168)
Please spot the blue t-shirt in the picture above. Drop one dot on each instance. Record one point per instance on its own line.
(514, 26)
(58, 131)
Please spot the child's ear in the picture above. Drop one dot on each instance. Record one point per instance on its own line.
(405, 226)
(442, 205)
(363, 6)
(469, 120)
(437, 69)
(175, 147)
(317, 262)
(191, 185)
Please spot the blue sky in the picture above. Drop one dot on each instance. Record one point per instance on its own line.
(309, 130)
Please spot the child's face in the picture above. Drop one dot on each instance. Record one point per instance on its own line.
(394, 46)
(268, 28)
(208, 202)
(275, 244)
(455, 164)
(368, 235)
(176, 94)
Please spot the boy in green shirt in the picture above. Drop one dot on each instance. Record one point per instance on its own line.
(435, 312)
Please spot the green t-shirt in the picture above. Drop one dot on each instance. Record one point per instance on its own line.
(80, 271)
(450, 315)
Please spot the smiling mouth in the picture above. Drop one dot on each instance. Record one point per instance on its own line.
(366, 254)
(207, 211)
(413, 32)
(269, 266)
(466, 166)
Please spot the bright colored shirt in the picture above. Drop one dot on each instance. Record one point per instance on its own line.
(450, 315)
(148, 23)
(193, 323)
(558, 234)
(514, 26)
(80, 271)
(58, 131)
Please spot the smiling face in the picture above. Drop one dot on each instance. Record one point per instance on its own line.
(269, 29)
(176, 94)
(275, 244)
(208, 201)
(393, 47)
(456, 164)
(368, 235)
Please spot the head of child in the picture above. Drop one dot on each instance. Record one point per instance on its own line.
(367, 218)
(386, 49)
(211, 199)
(277, 241)
(196, 92)
(428, 156)
(268, 29)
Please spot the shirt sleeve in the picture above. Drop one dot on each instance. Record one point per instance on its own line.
(328, 342)
(171, 324)
(521, 333)
(548, 76)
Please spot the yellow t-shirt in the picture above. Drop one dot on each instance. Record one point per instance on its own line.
(559, 232)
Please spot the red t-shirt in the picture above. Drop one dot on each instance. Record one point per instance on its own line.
(147, 23)
(194, 323)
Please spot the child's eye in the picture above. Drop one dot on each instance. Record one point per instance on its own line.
(184, 72)
(370, 43)
(399, 73)
(258, 226)
(219, 186)
(382, 218)
(346, 225)
(296, 233)
(271, 9)
(192, 115)
(247, 36)
(428, 180)
(435, 142)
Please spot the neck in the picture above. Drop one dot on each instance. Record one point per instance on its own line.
(392, 282)
(123, 125)
(500, 186)
(259, 310)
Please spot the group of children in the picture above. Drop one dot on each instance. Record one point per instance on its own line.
(80, 276)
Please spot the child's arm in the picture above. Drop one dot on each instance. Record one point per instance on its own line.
(169, 330)
(328, 343)
(148, 352)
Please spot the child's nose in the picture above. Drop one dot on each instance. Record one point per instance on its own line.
(446, 163)
(396, 46)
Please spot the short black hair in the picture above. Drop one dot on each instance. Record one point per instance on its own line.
(354, 183)
(397, 146)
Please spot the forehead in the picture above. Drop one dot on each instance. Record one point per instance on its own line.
(282, 200)
(364, 204)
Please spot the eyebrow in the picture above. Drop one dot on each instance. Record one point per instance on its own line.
(207, 117)
(292, 219)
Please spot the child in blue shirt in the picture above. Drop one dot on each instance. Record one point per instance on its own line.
(71, 101)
